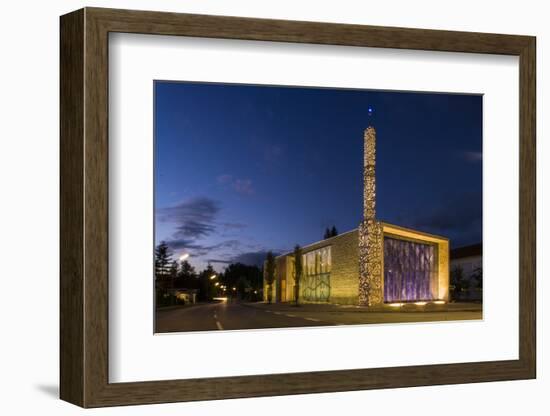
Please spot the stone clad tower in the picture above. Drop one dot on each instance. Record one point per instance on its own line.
(371, 290)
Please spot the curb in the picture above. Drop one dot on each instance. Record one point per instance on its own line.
(365, 310)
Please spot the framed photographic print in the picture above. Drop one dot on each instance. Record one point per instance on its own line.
(256, 207)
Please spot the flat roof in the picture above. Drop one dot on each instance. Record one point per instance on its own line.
(412, 230)
(317, 242)
(327, 240)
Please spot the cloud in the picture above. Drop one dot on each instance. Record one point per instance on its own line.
(453, 213)
(473, 156)
(199, 250)
(224, 179)
(231, 229)
(253, 258)
(223, 252)
(272, 153)
(227, 244)
(233, 225)
(241, 186)
(179, 244)
(219, 261)
(250, 258)
(194, 218)
(458, 217)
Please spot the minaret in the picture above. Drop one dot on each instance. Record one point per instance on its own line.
(369, 174)
(370, 230)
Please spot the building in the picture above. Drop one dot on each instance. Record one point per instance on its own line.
(373, 264)
(185, 296)
(168, 293)
(469, 258)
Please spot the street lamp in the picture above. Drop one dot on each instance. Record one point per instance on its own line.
(184, 256)
(212, 277)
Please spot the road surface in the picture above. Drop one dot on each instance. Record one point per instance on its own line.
(231, 316)
(223, 315)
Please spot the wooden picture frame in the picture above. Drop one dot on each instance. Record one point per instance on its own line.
(84, 207)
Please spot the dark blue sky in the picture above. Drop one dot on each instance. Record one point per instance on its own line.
(241, 169)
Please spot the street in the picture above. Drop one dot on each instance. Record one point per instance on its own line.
(231, 316)
(223, 315)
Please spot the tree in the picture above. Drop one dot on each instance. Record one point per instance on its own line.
(162, 261)
(243, 286)
(330, 232)
(206, 286)
(297, 272)
(458, 281)
(247, 279)
(186, 271)
(478, 275)
(187, 276)
(269, 274)
(173, 271)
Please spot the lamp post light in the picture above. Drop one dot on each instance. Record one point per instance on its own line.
(184, 256)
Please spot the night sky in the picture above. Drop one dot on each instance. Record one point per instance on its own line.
(241, 169)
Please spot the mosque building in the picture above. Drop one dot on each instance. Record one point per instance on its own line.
(375, 264)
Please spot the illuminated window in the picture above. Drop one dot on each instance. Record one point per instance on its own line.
(410, 270)
(317, 265)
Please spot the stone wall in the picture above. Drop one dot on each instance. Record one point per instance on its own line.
(370, 231)
(371, 263)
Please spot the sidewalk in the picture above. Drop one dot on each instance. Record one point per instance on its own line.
(328, 308)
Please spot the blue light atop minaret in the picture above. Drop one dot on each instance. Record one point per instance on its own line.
(370, 110)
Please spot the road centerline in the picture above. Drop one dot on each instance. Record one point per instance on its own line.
(312, 319)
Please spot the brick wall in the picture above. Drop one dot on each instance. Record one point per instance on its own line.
(344, 276)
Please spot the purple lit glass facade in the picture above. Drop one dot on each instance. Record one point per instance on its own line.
(410, 270)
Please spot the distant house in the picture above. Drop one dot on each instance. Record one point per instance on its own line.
(468, 258)
(186, 296)
(168, 292)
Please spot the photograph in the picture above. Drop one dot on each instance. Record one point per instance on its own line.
(286, 206)
(278, 206)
